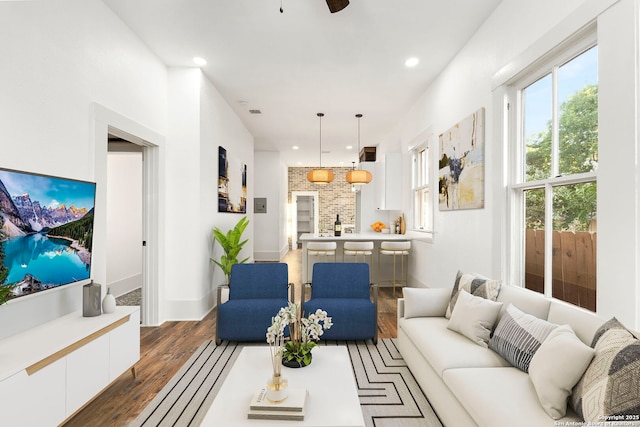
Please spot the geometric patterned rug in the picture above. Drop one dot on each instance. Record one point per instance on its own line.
(389, 394)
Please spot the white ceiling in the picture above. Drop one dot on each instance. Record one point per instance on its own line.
(306, 60)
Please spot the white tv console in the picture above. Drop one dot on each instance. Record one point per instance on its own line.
(50, 372)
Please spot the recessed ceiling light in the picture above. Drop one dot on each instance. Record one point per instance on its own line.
(199, 61)
(295, 147)
(411, 62)
(349, 147)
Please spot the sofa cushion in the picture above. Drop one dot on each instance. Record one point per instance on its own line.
(474, 317)
(611, 384)
(530, 302)
(425, 302)
(557, 367)
(518, 336)
(499, 397)
(445, 349)
(476, 285)
(583, 322)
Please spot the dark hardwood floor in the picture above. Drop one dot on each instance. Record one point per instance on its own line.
(164, 349)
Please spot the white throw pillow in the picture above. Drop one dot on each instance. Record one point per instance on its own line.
(423, 302)
(557, 367)
(474, 317)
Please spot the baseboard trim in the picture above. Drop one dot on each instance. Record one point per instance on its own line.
(126, 285)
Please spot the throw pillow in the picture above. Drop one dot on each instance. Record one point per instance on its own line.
(474, 317)
(557, 367)
(475, 285)
(518, 336)
(612, 323)
(611, 384)
(424, 302)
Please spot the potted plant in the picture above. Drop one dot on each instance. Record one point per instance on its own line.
(231, 245)
(305, 333)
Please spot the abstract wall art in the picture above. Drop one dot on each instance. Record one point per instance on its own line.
(232, 183)
(461, 164)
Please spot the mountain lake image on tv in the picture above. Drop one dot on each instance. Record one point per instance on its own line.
(46, 231)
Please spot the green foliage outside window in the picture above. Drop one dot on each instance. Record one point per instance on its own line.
(574, 205)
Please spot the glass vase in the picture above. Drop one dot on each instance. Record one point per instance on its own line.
(277, 388)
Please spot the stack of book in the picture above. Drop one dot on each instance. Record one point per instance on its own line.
(291, 408)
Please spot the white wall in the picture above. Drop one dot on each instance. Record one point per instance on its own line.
(64, 56)
(220, 126)
(199, 121)
(124, 221)
(476, 240)
(270, 227)
(618, 291)
(73, 67)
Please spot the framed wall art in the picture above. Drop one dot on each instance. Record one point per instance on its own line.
(461, 164)
(232, 183)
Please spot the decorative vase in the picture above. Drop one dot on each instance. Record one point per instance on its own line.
(109, 302)
(91, 293)
(277, 388)
(293, 363)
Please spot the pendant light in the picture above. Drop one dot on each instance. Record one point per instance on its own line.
(359, 176)
(320, 176)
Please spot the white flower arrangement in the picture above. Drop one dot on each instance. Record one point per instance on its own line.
(304, 332)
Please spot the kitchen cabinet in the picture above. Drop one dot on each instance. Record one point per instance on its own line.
(388, 183)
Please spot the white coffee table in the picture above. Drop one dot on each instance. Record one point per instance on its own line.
(332, 400)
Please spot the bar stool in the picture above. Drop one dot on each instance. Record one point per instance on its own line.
(357, 250)
(318, 249)
(395, 249)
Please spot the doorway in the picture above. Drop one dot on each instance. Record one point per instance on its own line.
(108, 122)
(124, 221)
(304, 215)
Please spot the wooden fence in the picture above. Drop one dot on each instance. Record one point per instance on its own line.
(573, 265)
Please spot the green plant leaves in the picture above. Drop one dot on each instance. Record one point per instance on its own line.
(299, 351)
(231, 245)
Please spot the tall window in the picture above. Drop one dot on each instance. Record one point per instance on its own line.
(422, 204)
(554, 181)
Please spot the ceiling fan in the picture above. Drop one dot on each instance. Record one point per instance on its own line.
(334, 5)
(337, 5)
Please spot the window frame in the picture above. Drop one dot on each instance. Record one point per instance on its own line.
(423, 143)
(516, 146)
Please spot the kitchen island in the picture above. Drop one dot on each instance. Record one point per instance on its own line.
(386, 262)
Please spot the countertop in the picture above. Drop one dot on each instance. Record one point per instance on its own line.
(309, 237)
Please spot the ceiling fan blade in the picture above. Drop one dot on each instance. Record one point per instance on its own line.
(337, 5)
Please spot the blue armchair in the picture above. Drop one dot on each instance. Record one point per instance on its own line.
(256, 293)
(344, 292)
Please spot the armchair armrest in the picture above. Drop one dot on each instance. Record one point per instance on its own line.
(292, 292)
(219, 292)
(374, 292)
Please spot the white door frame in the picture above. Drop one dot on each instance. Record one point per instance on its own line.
(294, 213)
(109, 122)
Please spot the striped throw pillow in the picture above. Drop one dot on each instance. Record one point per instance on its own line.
(518, 336)
(477, 286)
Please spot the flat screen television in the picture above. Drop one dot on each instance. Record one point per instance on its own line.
(46, 231)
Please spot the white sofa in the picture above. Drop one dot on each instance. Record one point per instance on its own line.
(470, 385)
